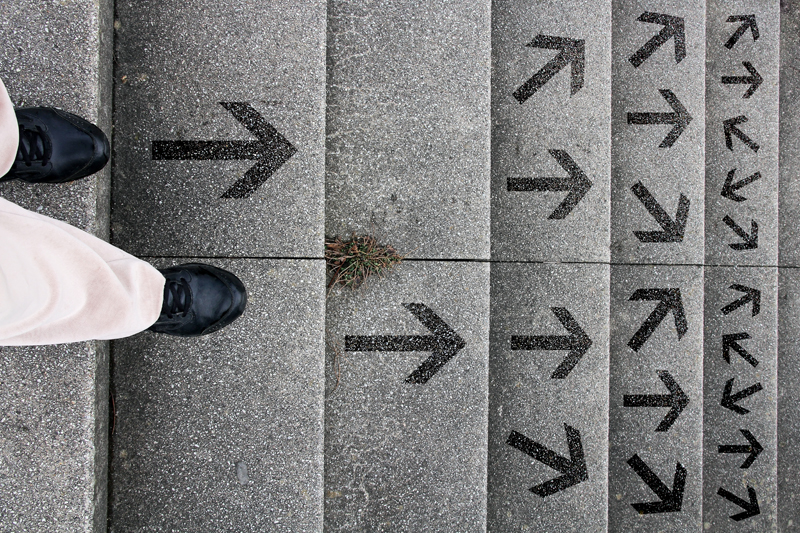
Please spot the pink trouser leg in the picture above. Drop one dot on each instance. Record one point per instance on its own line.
(59, 284)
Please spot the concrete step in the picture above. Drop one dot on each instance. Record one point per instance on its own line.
(54, 400)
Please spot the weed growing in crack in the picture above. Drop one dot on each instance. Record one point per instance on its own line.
(352, 261)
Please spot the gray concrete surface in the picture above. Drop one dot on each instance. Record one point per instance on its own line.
(224, 432)
(54, 400)
(755, 366)
(636, 152)
(633, 430)
(758, 200)
(789, 204)
(408, 125)
(176, 61)
(788, 399)
(525, 398)
(403, 456)
(555, 117)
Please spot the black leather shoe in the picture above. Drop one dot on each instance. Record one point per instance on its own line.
(199, 299)
(56, 147)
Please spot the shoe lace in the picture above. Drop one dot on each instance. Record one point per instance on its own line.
(177, 298)
(33, 147)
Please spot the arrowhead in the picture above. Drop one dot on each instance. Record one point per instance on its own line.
(670, 300)
(729, 401)
(730, 188)
(671, 500)
(731, 129)
(682, 119)
(579, 186)
(729, 342)
(678, 401)
(673, 231)
(673, 27)
(572, 51)
(751, 508)
(755, 448)
(446, 343)
(579, 342)
(750, 240)
(755, 79)
(752, 295)
(749, 22)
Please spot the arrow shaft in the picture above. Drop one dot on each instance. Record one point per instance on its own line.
(735, 448)
(540, 184)
(738, 79)
(647, 400)
(539, 452)
(207, 150)
(540, 342)
(653, 118)
(543, 76)
(388, 343)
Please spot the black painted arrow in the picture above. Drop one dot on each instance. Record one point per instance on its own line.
(271, 150)
(574, 468)
(577, 342)
(730, 128)
(729, 343)
(572, 51)
(676, 399)
(673, 27)
(444, 343)
(750, 508)
(750, 241)
(730, 188)
(669, 300)
(754, 448)
(671, 500)
(754, 79)
(577, 184)
(672, 229)
(751, 295)
(680, 118)
(729, 400)
(749, 22)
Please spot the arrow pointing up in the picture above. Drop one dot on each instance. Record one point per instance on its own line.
(752, 295)
(572, 51)
(670, 300)
(671, 500)
(730, 188)
(749, 22)
(271, 150)
(444, 343)
(673, 27)
(676, 399)
(577, 184)
(574, 468)
(754, 79)
(730, 128)
(577, 342)
(750, 240)
(750, 508)
(754, 448)
(673, 230)
(729, 343)
(680, 118)
(729, 400)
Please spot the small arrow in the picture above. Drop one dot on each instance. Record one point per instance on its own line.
(574, 468)
(752, 295)
(271, 150)
(730, 188)
(671, 500)
(730, 128)
(577, 342)
(750, 241)
(670, 300)
(754, 448)
(729, 400)
(750, 508)
(673, 27)
(673, 230)
(676, 399)
(754, 79)
(680, 118)
(749, 22)
(444, 343)
(577, 184)
(572, 51)
(729, 343)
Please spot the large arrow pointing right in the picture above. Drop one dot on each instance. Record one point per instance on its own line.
(671, 500)
(730, 188)
(753, 448)
(749, 22)
(577, 342)
(672, 230)
(754, 79)
(574, 468)
(729, 400)
(572, 51)
(751, 295)
(676, 399)
(731, 129)
(444, 343)
(669, 300)
(750, 508)
(680, 118)
(729, 342)
(673, 27)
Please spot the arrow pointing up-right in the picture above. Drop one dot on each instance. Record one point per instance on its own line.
(669, 300)
(673, 27)
(749, 22)
(751, 295)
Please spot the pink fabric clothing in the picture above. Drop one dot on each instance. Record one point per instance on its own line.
(59, 284)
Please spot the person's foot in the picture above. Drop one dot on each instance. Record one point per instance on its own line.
(199, 299)
(56, 147)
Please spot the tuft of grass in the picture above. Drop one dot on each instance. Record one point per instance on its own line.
(352, 261)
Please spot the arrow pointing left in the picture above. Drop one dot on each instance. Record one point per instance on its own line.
(577, 342)
(574, 468)
(672, 230)
(751, 508)
(572, 51)
(676, 399)
(271, 150)
(444, 343)
(669, 300)
(754, 448)
(680, 118)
